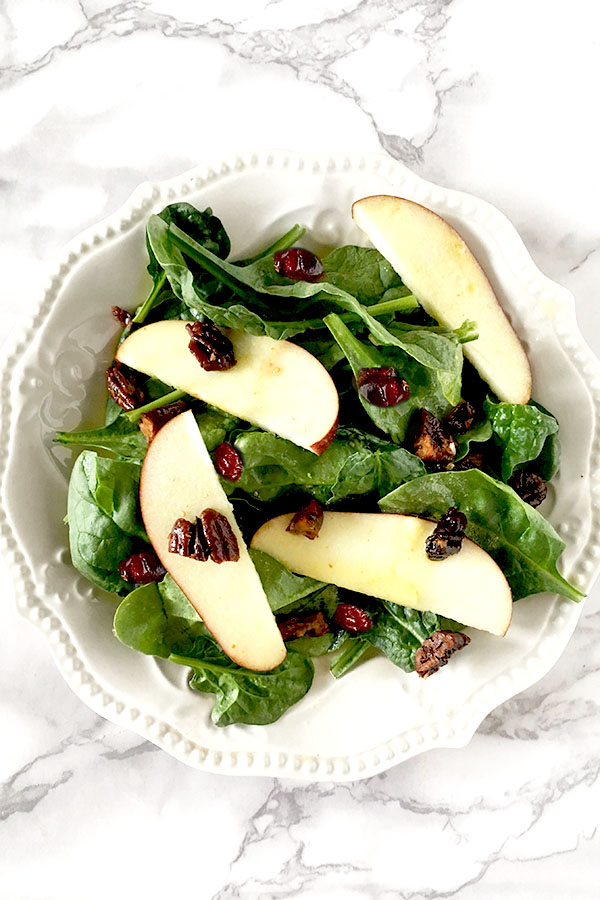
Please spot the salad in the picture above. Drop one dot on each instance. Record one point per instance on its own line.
(301, 459)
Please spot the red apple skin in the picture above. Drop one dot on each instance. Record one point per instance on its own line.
(322, 445)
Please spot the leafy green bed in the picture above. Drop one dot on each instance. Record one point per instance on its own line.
(358, 315)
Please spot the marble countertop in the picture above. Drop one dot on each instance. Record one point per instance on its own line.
(498, 99)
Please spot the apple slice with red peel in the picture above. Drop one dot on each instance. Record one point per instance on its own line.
(179, 481)
(383, 555)
(435, 263)
(274, 384)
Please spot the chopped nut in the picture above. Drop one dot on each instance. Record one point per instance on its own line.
(433, 443)
(212, 349)
(437, 650)
(459, 419)
(447, 536)
(151, 422)
(530, 487)
(181, 538)
(307, 521)
(309, 625)
(122, 387)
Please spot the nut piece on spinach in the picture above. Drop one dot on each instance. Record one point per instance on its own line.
(312, 624)
(459, 419)
(151, 422)
(121, 384)
(530, 487)
(307, 521)
(212, 348)
(436, 651)
(433, 443)
(209, 537)
(447, 536)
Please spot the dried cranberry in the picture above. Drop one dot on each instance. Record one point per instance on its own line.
(437, 650)
(228, 462)
(460, 418)
(142, 568)
(307, 521)
(308, 625)
(352, 618)
(299, 264)
(121, 383)
(382, 386)
(121, 316)
(212, 348)
(447, 536)
(151, 422)
(530, 487)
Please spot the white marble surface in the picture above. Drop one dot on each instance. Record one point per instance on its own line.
(496, 98)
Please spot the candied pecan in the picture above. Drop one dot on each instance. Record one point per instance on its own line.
(459, 419)
(530, 487)
(311, 624)
(307, 521)
(447, 536)
(122, 387)
(151, 422)
(352, 618)
(221, 540)
(228, 461)
(212, 348)
(470, 461)
(437, 650)
(382, 386)
(142, 568)
(123, 317)
(299, 264)
(433, 443)
(181, 538)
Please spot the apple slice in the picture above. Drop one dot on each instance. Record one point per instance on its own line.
(435, 263)
(383, 555)
(178, 480)
(274, 384)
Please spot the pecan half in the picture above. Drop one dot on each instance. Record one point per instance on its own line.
(437, 650)
(447, 537)
(212, 348)
(151, 422)
(307, 521)
(122, 387)
(459, 419)
(530, 487)
(433, 443)
(219, 536)
(209, 537)
(310, 625)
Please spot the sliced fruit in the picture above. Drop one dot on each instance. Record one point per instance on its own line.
(178, 481)
(274, 384)
(383, 555)
(435, 263)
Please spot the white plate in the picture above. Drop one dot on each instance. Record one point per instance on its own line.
(52, 378)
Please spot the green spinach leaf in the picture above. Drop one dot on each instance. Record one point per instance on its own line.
(121, 437)
(521, 431)
(518, 537)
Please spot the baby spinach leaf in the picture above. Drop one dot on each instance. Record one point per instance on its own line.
(477, 434)
(425, 388)
(251, 698)
(363, 272)
(521, 431)
(352, 650)
(355, 463)
(121, 437)
(548, 462)
(522, 542)
(104, 518)
(280, 585)
(399, 631)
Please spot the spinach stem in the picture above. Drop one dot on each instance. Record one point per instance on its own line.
(186, 245)
(149, 302)
(349, 655)
(195, 663)
(134, 414)
(283, 243)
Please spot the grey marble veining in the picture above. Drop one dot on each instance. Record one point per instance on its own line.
(498, 99)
